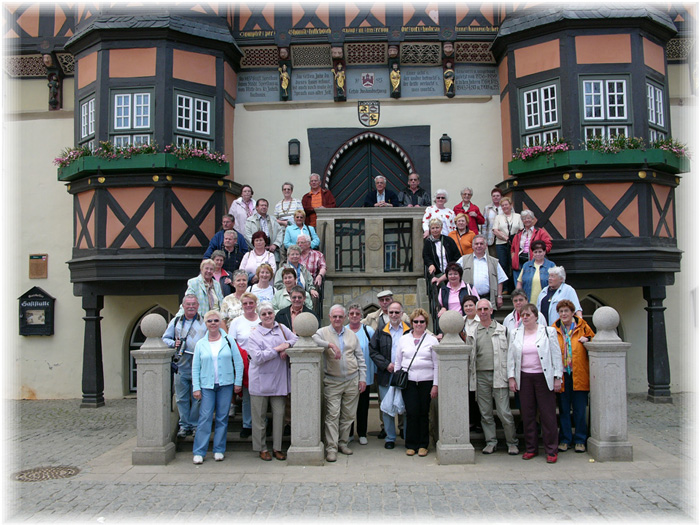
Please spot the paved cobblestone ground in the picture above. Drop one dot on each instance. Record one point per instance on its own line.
(51, 433)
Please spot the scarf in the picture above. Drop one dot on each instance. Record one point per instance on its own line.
(568, 359)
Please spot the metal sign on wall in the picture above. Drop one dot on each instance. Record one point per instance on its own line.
(36, 312)
(368, 112)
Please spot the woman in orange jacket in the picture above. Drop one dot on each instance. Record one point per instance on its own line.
(572, 332)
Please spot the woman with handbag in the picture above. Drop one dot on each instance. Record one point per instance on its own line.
(416, 367)
(217, 372)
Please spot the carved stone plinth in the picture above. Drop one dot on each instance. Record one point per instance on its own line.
(154, 445)
(607, 353)
(306, 361)
(453, 446)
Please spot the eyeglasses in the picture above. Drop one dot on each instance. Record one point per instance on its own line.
(483, 309)
(394, 312)
(213, 320)
(440, 198)
(337, 316)
(419, 321)
(265, 314)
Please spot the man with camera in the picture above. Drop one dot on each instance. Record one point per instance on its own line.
(182, 334)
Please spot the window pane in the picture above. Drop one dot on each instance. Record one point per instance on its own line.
(184, 112)
(91, 116)
(614, 131)
(84, 120)
(551, 136)
(142, 110)
(593, 99)
(659, 106)
(183, 141)
(594, 132)
(549, 105)
(532, 109)
(122, 141)
(201, 116)
(532, 140)
(122, 111)
(201, 144)
(651, 107)
(617, 105)
(141, 140)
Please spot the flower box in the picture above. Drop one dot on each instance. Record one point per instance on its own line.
(657, 159)
(85, 166)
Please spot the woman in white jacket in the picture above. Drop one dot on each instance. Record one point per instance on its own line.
(535, 370)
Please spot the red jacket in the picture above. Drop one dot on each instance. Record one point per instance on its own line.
(327, 201)
(473, 221)
(538, 235)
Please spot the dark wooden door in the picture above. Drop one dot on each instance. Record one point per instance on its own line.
(355, 170)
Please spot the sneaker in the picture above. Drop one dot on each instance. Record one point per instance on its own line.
(513, 450)
(580, 447)
(362, 440)
(190, 432)
(551, 458)
(489, 449)
(218, 456)
(351, 439)
(232, 410)
(181, 433)
(563, 447)
(529, 455)
(197, 460)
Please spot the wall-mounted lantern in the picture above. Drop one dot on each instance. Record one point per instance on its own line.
(445, 148)
(293, 149)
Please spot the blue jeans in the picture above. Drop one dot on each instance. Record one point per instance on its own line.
(187, 406)
(217, 399)
(245, 408)
(389, 425)
(578, 399)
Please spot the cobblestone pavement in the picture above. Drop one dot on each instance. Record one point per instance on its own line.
(51, 433)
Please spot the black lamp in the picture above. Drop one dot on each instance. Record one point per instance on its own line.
(293, 151)
(445, 148)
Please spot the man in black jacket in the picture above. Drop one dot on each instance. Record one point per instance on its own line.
(382, 350)
(287, 315)
(382, 197)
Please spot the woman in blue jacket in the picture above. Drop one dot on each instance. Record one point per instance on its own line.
(217, 372)
(537, 267)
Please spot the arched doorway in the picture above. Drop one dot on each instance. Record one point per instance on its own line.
(359, 160)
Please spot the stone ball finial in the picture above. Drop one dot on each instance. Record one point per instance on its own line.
(305, 324)
(451, 322)
(153, 325)
(606, 320)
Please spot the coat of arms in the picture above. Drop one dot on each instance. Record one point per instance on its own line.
(368, 112)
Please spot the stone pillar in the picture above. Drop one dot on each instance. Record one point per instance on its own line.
(93, 383)
(154, 445)
(453, 446)
(306, 362)
(658, 370)
(607, 353)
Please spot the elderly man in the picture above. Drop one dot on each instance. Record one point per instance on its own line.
(233, 253)
(262, 221)
(414, 196)
(379, 318)
(343, 382)
(483, 272)
(217, 242)
(382, 197)
(471, 210)
(382, 351)
(304, 278)
(314, 260)
(182, 334)
(521, 247)
(513, 319)
(490, 357)
(286, 315)
(317, 198)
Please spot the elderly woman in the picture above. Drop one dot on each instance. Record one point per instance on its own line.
(231, 306)
(314, 260)
(556, 291)
(268, 379)
(364, 334)
(572, 332)
(221, 275)
(242, 208)
(205, 288)
(438, 251)
(294, 230)
(505, 227)
(263, 288)
(534, 274)
(521, 247)
(491, 211)
(217, 372)
(415, 354)
(282, 299)
(535, 370)
(439, 211)
(285, 209)
(258, 255)
(452, 294)
(462, 236)
(470, 210)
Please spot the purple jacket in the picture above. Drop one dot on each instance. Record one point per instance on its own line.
(268, 375)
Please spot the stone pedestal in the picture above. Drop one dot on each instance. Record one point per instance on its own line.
(306, 361)
(453, 446)
(608, 397)
(154, 445)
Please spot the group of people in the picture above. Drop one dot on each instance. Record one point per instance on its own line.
(262, 270)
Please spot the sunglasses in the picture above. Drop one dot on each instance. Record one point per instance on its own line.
(394, 312)
(213, 320)
(483, 309)
(419, 321)
(440, 198)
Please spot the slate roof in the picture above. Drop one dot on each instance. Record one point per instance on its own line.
(531, 18)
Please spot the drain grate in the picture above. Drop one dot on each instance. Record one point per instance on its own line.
(45, 473)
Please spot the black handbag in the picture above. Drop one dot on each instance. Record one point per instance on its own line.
(399, 379)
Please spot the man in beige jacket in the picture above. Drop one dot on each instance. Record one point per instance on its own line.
(344, 372)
